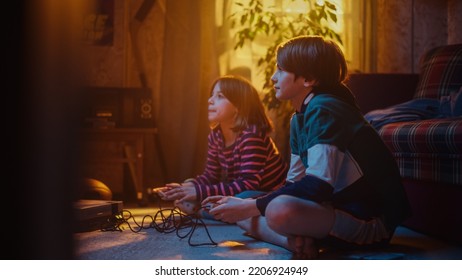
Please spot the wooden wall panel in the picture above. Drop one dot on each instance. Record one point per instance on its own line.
(406, 29)
(394, 40)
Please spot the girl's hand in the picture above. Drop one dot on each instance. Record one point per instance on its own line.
(167, 192)
(231, 209)
(180, 192)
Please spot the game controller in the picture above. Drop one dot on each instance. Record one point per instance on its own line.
(188, 207)
(209, 206)
(159, 191)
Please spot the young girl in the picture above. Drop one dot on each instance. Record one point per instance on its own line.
(242, 158)
(343, 186)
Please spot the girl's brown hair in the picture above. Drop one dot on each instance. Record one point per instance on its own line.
(243, 95)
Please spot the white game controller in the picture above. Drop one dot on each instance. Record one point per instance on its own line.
(159, 191)
(188, 207)
(209, 206)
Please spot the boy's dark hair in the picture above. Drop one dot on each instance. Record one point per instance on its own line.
(313, 58)
(242, 94)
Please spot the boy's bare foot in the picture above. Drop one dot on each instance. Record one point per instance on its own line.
(303, 248)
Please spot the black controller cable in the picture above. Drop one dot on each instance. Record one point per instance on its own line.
(165, 220)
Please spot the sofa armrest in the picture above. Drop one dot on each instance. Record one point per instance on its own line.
(381, 90)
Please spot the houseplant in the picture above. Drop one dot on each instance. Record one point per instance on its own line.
(254, 21)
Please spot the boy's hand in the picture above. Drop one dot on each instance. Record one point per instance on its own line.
(231, 209)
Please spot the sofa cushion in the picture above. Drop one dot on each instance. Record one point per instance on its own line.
(427, 149)
(412, 110)
(440, 72)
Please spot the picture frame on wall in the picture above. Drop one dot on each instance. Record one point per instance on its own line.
(98, 23)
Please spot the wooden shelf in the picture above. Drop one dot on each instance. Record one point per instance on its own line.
(117, 157)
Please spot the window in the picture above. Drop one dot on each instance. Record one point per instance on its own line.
(354, 25)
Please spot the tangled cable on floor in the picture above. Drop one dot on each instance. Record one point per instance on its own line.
(166, 220)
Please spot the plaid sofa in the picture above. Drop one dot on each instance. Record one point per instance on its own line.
(421, 122)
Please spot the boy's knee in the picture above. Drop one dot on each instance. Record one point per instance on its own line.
(278, 212)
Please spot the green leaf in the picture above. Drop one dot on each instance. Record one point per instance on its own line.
(333, 17)
(330, 5)
(244, 19)
(313, 16)
(322, 14)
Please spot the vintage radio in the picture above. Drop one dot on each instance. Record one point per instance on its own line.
(124, 107)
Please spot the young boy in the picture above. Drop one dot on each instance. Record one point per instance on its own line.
(343, 186)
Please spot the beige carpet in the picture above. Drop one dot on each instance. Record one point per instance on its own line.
(149, 244)
(231, 244)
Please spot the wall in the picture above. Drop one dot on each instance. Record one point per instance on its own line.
(116, 66)
(407, 28)
(150, 40)
(454, 21)
(138, 42)
(106, 65)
